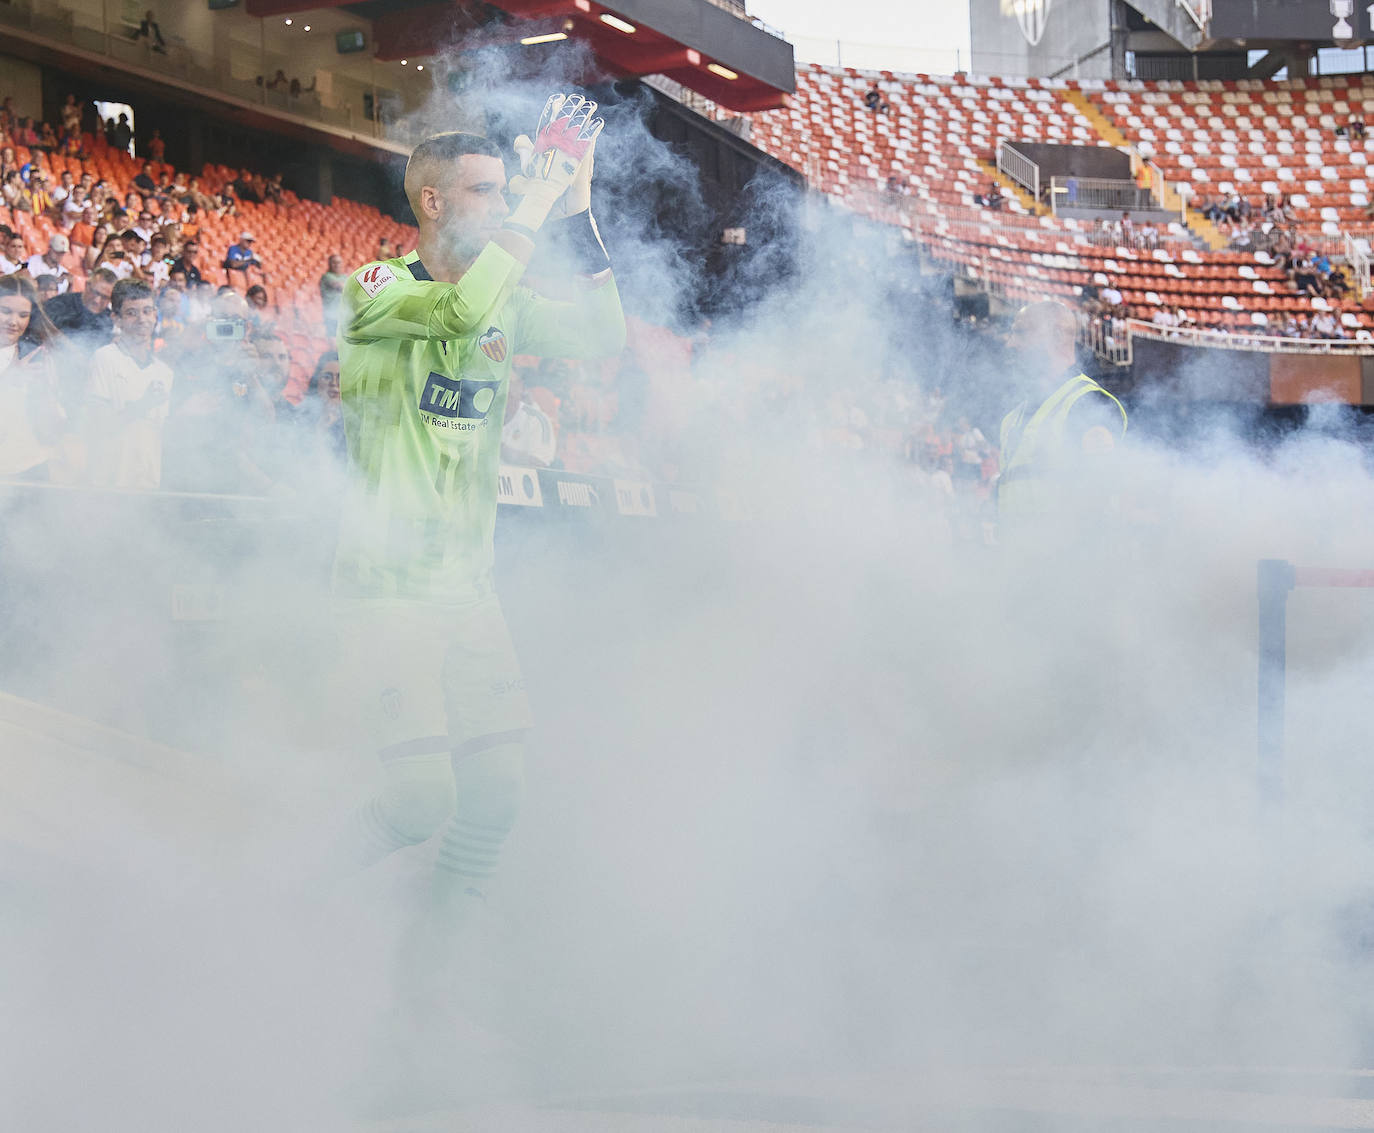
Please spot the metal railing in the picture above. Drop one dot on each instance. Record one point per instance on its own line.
(1199, 11)
(1358, 256)
(1021, 169)
(1108, 339)
(1244, 340)
(343, 109)
(1107, 194)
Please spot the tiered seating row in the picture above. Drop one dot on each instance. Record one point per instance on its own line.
(1280, 138)
(930, 140)
(294, 239)
(1219, 290)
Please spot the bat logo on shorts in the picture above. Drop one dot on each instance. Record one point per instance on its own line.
(493, 344)
(391, 703)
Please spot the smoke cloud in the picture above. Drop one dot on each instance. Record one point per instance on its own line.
(841, 813)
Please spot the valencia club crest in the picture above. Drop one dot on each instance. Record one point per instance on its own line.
(493, 344)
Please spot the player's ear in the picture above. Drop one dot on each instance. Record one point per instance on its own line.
(431, 202)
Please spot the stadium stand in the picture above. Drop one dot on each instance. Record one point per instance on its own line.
(1250, 137)
(343, 226)
(924, 163)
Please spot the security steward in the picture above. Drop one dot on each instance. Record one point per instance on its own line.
(1052, 442)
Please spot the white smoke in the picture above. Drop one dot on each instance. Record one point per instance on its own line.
(817, 801)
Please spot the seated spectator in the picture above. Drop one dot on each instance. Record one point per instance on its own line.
(149, 31)
(1357, 127)
(128, 397)
(115, 258)
(46, 286)
(384, 250)
(15, 256)
(157, 148)
(243, 188)
(13, 192)
(274, 370)
(240, 257)
(331, 292)
(40, 200)
(157, 263)
(188, 264)
(83, 317)
(144, 180)
(318, 419)
(260, 316)
(63, 189)
(874, 100)
(31, 416)
(73, 206)
(50, 263)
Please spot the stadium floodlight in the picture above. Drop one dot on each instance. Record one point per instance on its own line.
(551, 37)
(617, 23)
(723, 72)
(1341, 11)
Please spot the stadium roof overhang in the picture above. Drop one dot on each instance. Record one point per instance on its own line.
(708, 49)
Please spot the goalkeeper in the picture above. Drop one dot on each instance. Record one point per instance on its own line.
(425, 348)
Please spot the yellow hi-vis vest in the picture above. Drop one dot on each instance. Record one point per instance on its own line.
(1033, 452)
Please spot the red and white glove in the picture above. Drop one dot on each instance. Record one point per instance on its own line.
(555, 176)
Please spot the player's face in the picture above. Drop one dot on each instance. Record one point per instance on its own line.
(137, 319)
(474, 202)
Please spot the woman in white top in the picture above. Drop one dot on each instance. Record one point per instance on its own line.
(31, 419)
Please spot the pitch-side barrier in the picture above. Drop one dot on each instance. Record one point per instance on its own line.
(1277, 579)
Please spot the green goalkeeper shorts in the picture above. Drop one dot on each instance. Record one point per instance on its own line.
(428, 679)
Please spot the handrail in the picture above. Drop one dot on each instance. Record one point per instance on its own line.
(1199, 11)
(1233, 340)
(1096, 334)
(1357, 255)
(1105, 193)
(52, 26)
(1021, 169)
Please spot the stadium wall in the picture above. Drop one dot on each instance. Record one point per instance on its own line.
(24, 83)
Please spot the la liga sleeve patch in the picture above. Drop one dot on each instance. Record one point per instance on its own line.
(373, 279)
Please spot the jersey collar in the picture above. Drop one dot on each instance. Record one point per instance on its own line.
(418, 269)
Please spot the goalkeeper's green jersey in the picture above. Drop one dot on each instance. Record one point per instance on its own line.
(423, 373)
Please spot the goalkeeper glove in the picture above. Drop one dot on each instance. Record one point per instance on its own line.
(554, 162)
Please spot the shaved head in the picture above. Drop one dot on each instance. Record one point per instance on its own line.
(456, 184)
(434, 159)
(1047, 316)
(1044, 340)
